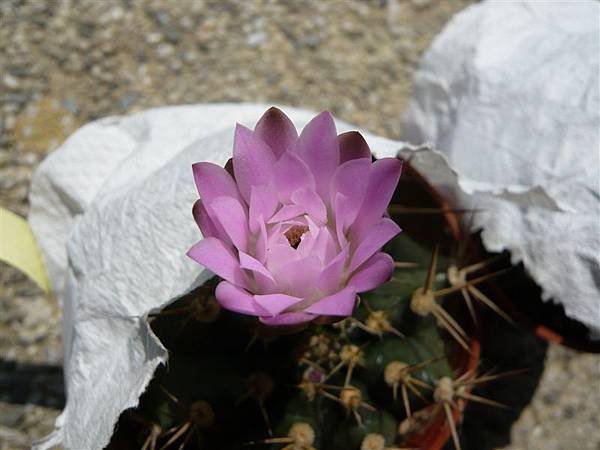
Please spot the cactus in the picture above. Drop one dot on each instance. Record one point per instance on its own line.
(365, 382)
(262, 358)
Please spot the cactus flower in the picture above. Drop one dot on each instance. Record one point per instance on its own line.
(295, 227)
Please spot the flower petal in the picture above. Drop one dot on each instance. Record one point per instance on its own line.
(250, 263)
(238, 300)
(374, 272)
(232, 217)
(339, 304)
(375, 238)
(311, 202)
(340, 205)
(277, 130)
(253, 160)
(325, 247)
(260, 247)
(382, 183)
(276, 303)
(298, 277)
(217, 257)
(291, 318)
(351, 180)
(263, 203)
(353, 146)
(290, 174)
(319, 148)
(331, 276)
(205, 223)
(287, 212)
(213, 181)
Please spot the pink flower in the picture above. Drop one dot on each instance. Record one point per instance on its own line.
(298, 232)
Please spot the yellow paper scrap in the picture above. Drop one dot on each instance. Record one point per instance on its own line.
(19, 248)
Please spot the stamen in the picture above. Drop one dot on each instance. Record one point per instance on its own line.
(294, 235)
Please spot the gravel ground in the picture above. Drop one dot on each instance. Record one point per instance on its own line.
(64, 63)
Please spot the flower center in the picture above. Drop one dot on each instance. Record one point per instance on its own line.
(294, 235)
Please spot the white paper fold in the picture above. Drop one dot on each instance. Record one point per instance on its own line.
(510, 93)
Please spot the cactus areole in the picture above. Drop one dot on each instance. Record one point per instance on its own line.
(295, 228)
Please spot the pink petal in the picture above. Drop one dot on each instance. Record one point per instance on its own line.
(253, 160)
(249, 263)
(331, 276)
(291, 318)
(278, 255)
(318, 147)
(339, 304)
(353, 146)
(312, 203)
(205, 223)
(238, 300)
(276, 303)
(290, 174)
(287, 212)
(298, 277)
(232, 217)
(309, 239)
(217, 257)
(375, 238)
(263, 203)
(351, 180)
(277, 130)
(325, 248)
(213, 181)
(340, 205)
(382, 183)
(376, 271)
(260, 248)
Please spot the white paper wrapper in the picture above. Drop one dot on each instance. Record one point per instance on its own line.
(509, 92)
(112, 212)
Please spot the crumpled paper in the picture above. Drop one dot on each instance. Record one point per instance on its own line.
(509, 93)
(111, 209)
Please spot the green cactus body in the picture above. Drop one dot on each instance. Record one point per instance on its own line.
(331, 378)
